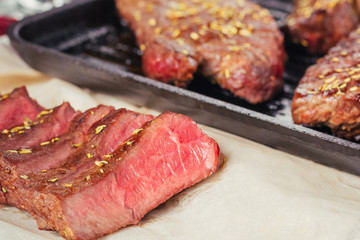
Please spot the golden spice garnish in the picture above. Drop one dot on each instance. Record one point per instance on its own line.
(184, 51)
(92, 112)
(88, 178)
(45, 143)
(44, 112)
(99, 129)
(227, 73)
(142, 47)
(101, 163)
(76, 145)
(68, 185)
(343, 53)
(89, 155)
(53, 180)
(152, 22)
(3, 190)
(176, 33)
(55, 139)
(354, 88)
(16, 129)
(129, 143)
(137, 131)
(25, 151)
(194, 36)
(12, 151)
(101, 170)
(107, 156)
(5, 96)
(44, 171)
(24, 176)
(335, 59)
(5, 131)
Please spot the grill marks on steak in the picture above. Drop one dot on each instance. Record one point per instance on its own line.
(17, 107)
(48, 125)
(320, 24)
(170, 154)
(329, 92)
(237, 43)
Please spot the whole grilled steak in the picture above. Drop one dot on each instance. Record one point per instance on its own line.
(17, 107)
(329, 93)
(18, 164)
(168, 155)
(320, 24)
(49, 124)
(237, 43)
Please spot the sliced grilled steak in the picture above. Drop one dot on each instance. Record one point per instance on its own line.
(102, 139)
(170, 154)
(237, 43)
(329, 93)
(16, 107)
(49, 124)
(15, 164)
(320, 24)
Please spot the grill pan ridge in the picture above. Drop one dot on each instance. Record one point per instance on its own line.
(85, 43)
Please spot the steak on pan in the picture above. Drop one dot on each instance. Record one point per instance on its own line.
(320, 24)
(166, 156)
(329, 92)
(236, 43)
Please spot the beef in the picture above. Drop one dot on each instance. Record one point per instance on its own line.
(168, 155)
(320, 24)
(329, 92)
(18, 164)
(48, 125)
(235, 43)
(17, 107)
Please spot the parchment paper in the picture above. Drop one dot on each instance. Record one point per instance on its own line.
(260, 193)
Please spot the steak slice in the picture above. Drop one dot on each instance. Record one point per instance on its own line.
(170, 154)
(49, 124)
(16, 107)
(320, 24)
(237, 43)
(329, 92)
(15, 164)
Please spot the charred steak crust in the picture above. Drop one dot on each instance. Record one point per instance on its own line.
(329, 92)
(237, 43)
(16, 107)
(320, 24)
(168, 155)
(48, 125)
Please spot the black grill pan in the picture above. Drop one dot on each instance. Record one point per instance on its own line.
(87, 44)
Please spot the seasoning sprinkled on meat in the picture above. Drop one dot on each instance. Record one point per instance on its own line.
(237, 43)
(319, 24)
(329, 92)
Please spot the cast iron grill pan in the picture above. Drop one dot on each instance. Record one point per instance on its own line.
(86, 43)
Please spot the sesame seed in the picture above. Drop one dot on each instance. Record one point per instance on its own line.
(343, 53)
(44, 112)
(129, 143)
(12, 151)
(3, 190)
(44, 171)
(88, 178)
(107, 156)
(335, 59)
(184, 51)
(354, 88)
(101, 170)
(89, 155)
(99, 163)
(244, 32)
(92, 112)
(5, 131)
(55, 139)
(24, 176)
